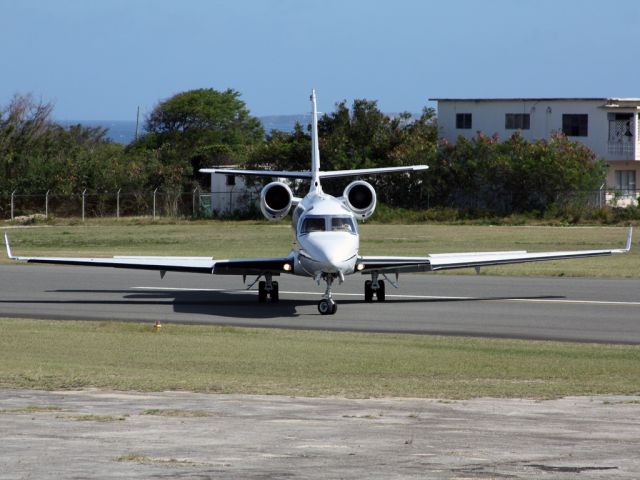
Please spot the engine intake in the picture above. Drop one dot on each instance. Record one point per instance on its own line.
(276, 200)
(360, 198)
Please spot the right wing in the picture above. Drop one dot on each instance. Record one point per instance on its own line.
(449, 261)
(242, 266)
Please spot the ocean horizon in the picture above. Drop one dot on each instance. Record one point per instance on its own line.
(124, 131)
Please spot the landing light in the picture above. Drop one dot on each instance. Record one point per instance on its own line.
(360, 267)
(286, 267)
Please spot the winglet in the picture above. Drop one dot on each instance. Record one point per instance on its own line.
(6, 242)
(627, 246)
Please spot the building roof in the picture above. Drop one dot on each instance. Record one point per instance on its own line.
(541, 99)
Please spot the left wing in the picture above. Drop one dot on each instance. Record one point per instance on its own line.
(449, 261)
(248, 266)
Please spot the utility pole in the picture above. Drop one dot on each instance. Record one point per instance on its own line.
(137, 122)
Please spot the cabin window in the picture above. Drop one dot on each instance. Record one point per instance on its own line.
(343, 224)
(231, 180)
(313, 224)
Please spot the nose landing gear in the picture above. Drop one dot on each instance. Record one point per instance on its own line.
(327, 306)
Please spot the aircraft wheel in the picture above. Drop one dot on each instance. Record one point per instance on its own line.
(275, 294)
(380, 291)
(327, 307)
(262, 292)
(368, 291)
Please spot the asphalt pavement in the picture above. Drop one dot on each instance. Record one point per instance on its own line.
(573, 309)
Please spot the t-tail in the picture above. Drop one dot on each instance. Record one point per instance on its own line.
(276, 198)
(315, 148)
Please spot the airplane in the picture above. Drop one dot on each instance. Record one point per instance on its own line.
(326, 246)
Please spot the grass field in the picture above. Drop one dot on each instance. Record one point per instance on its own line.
(44, 354)
(222, 239)
(126, 356)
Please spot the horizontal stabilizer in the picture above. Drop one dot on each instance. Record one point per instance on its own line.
(308, 174)
(257, 173)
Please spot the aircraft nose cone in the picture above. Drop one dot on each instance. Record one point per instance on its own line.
(332, 255)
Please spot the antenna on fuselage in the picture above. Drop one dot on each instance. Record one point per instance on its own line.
(315, 149)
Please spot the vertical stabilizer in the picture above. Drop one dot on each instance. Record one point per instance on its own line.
(315, 149)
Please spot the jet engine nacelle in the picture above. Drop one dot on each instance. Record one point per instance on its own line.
(276, 200)
(360, 198)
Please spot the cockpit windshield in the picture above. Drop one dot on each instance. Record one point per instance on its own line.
(313, 224)
(342, 224)
(317, 223)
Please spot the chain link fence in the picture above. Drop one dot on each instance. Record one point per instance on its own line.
(233, 204)
(155, 204)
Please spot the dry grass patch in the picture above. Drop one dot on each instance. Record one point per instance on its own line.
(127, 356)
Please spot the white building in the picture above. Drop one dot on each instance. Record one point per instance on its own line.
(608, 126)
(232, 193)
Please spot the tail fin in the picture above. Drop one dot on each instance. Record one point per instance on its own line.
(315, 149)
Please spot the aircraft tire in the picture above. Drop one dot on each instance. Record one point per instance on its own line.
(368, 291)
(380, 294)
(327, 307)
(275, 293)
(262, 292)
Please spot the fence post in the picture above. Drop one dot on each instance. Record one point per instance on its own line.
(193, 202)
(46, 205)
(83, 195)
(118, 203)
(154, 203)
(13, 194)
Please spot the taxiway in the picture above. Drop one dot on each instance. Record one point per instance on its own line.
(572, 309)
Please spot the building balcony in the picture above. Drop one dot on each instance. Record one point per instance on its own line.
(622, 143)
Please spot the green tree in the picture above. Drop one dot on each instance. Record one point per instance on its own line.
(203, 127)
(517, 175)
(37, 155)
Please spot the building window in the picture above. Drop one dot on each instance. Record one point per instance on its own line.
(575, 125)
(231, 180)
(626, 181)
(463, 121)
(517, 121)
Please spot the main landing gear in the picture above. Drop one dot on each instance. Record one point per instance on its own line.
(268, 288)
(327, 306)
(374, 287)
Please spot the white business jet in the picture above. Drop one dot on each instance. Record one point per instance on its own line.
(326, 246)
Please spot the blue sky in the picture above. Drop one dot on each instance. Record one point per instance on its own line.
(100, 59)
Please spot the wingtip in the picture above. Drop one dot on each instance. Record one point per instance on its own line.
(6, 242)
(627, 246)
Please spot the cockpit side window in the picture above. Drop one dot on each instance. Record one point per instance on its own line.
(343, 224)
(313, 224)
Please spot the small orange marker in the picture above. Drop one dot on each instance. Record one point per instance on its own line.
(157, 326)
